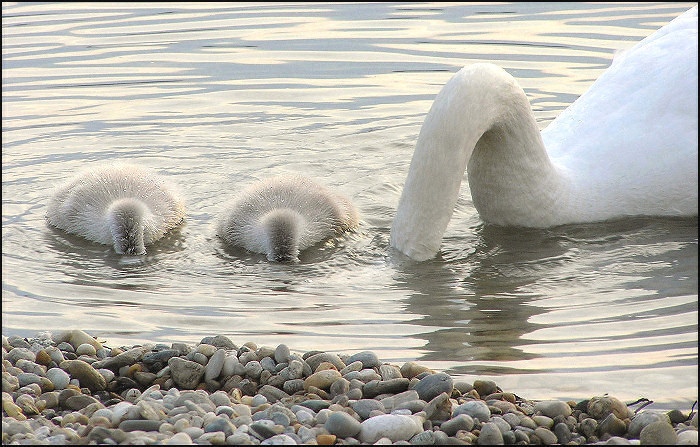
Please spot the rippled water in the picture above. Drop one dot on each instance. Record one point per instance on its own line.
(216, 96)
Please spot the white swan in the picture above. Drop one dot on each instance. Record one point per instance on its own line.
(122, 205)
(628, 146)
(281, 216)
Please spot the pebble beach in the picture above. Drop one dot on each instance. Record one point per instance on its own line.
(71, 388)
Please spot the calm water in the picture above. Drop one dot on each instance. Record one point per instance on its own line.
(218, 96)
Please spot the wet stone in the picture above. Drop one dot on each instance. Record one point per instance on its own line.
(369, 359)
(485, 387)
(433, 385)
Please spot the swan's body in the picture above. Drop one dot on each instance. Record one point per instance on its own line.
(281, 216)
(628, 146)
(122, 205)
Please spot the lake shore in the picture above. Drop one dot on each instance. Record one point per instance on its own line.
(70, 388)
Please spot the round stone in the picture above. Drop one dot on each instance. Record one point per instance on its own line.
(27, 378)
(553, 408)
(600, 407)
(460, 422)
(214, 365)
(490, 434)
(433, 385)
(322, 379)
(232, 366)
(140, 424)
(364, 406)
(282, 354)
(86, 349)
(20, 353)
(222, 424)
(546, 436)
(185, 373)
(658, 433)
(612, 425)
(476, 409)
(389, 372)
(485, 387)
(179, 439)
(86, 374)
(393, 426)
(76, 337)
(688, 437)
(316, 359)
(342, 425)
(369, 359)
(80, 401)
(643, 419)
(253, 369)
(412, 369)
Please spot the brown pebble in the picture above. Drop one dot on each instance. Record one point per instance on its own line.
(474, 394)
(325, 439)
(132, 369)
(485, 387)
(43, 358)
(324, 366)
(46, 385)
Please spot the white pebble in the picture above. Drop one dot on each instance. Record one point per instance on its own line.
(394, 427)
(180, 439)
(86, 349)
(107, 374)
(58, 377)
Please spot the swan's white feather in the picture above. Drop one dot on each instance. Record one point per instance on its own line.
(281, 207)
(82, 204)
(628, 146)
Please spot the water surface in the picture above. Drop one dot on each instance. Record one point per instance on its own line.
(216, 96)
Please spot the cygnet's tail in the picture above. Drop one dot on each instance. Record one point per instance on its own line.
(283, 229)
(126, 222)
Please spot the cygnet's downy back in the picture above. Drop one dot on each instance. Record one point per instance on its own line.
(123, 205)
(282, 216)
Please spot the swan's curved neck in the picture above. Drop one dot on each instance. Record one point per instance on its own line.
(283, 230)
(126, 221)
(480, 119)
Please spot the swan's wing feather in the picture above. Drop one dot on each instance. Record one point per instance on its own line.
(637, 125)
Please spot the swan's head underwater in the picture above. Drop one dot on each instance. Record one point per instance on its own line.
(282, 216)
(282, 229)
(119, 204)
(126, 222)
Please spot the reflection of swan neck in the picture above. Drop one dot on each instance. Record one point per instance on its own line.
(481, 118)
(282, 229)
(126, 221)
